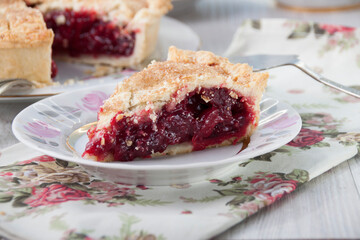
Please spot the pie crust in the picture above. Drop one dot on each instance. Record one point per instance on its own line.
(164, 85)
(25, 43)
(140, 16)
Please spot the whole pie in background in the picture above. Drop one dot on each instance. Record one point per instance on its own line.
(192, 101)
(120, 33)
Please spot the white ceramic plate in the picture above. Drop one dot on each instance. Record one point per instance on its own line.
(46, 125)
(171, 32)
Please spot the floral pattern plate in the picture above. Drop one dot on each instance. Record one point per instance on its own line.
(46, 126)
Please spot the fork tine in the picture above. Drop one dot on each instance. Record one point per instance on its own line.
(7, 84)
(11, 79)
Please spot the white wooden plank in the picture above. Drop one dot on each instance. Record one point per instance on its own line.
(354, 165)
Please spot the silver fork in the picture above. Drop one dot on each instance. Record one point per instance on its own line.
(6, 84)
(264, 62)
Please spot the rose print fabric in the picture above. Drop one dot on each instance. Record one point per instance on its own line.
(46, 198)
(323, 47)
(54, 194)
(306, 137)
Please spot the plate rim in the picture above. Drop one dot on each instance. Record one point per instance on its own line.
(124, 165)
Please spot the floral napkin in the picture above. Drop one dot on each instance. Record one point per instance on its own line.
(46, 198)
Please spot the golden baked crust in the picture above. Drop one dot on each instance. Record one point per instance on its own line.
(168, 83)
(183, 72)
(25, 43)
(21, 26)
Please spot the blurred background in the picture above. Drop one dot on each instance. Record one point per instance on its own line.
(216, 20)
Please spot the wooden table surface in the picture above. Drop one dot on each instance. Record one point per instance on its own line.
(326, 207)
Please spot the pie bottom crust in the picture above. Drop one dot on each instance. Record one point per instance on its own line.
(187, 147)
(33, 64)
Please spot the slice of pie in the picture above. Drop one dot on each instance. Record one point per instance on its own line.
(25, 44)
(120, 33)
(192, 101)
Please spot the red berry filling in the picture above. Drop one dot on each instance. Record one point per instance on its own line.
(83, 32)
(204, 118)
(54, 69)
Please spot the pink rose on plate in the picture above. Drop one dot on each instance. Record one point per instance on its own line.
(283, 122)
(42, 129)
(332, 29)
(94, 100)
(55, 194)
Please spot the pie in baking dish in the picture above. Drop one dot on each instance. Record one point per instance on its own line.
(192, 101)
(120, 33)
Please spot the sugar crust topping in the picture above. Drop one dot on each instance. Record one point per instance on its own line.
(21, 26)
(169, 82)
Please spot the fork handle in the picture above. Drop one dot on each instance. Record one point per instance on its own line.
(351, 91)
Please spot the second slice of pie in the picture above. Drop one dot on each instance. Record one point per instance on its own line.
(192, 101)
